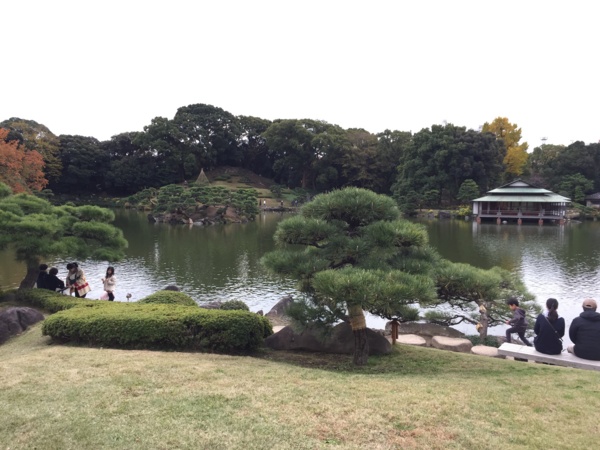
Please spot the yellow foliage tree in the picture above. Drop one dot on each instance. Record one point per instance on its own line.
(516, 154)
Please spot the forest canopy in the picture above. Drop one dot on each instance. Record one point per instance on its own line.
(422, 169)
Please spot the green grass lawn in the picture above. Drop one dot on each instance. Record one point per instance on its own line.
(66, 397)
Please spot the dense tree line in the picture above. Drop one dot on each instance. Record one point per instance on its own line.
(422, 169)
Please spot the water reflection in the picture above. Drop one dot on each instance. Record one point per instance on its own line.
(554, 261)
(209, 263)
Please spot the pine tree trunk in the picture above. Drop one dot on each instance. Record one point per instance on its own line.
(484, 320)
(33, 270)
(361, 347)
(359, 328)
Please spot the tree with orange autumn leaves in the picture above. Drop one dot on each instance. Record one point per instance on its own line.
(21, 169)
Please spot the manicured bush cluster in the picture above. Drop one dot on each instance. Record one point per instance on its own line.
(134, 325)
(48, 300)
(234, 304)
(177, 198)
(169, 297)
(146, 324)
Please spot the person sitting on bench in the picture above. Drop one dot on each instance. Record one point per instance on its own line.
(585, 332)
(549, 330)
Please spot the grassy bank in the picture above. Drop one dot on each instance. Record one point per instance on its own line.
(62, 397)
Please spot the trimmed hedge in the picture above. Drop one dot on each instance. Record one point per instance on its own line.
(170, 298)
(134, 325)
(48, 300)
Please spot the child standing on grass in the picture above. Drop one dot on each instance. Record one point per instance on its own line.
(518, 322)
(109, 283)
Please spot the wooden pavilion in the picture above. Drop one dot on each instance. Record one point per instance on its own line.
(520, 201)
(593, 200)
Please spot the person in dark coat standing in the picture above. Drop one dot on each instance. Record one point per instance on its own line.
(42, 276)
(585, 332)
(549, 329)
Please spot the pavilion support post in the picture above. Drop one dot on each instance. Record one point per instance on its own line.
(541, 222)
(520, 221)
(498, 221)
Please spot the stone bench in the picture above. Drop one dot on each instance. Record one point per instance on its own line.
(564, 359)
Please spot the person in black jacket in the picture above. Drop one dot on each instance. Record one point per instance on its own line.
(53, 283)
(42, 276)
(518, 322)
(585, 332)
(549, 330)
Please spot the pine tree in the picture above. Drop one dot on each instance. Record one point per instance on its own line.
(358, 256)
(36, 230)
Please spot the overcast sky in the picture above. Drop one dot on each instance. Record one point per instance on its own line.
(99, 68)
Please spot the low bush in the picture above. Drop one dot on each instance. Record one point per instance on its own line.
(464, 210)
(490, 341)
(48, 300)
(137, 325)
(234, 304)
(169, 298)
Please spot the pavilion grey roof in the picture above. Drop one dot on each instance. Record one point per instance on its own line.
(595, 196)
(550, 198)
(521, 191)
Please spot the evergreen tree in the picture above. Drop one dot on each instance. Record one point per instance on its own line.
(358, 256)
(36, 230)
(468, 191)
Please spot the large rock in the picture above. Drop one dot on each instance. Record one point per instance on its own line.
(341, 340)
(428, 329)
(452, 344)
(16, 320)
(277, 314)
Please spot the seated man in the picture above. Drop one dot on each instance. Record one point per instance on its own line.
(585, 332)
(54, 283)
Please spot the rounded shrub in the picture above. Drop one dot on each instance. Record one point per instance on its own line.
(234, 305)
(169, 298)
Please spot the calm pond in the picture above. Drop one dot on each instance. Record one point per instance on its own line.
(219, 262)
(222, 262)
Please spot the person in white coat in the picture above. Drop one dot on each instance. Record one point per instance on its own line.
(110, 283)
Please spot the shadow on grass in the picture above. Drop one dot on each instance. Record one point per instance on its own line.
(404, 360)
